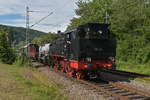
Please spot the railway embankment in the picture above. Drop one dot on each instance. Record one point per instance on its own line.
(18, 83)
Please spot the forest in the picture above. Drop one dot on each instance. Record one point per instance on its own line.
(18, 34)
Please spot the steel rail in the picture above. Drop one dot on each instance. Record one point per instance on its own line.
(132, 89)
(102, 89)
(125, 73)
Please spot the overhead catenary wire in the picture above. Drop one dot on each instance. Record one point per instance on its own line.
(41, 19)
(56, 25)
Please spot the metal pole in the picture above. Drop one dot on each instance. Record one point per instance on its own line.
(106, 15)
(27, 27)
(106, 20)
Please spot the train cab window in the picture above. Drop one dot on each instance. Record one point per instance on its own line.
(81, 33)
(98, 33)
(68, 36)
(73, 35)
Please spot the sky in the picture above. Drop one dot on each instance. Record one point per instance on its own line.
(13, 13)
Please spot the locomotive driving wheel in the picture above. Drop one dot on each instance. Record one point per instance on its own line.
(62, 69)
(79, 75)
(55, 67)
(69, 71)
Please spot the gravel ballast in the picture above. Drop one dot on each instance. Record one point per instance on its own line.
(138, 84)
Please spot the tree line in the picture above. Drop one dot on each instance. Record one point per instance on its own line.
(47, 38)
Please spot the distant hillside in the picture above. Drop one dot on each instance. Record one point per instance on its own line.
(18, 34)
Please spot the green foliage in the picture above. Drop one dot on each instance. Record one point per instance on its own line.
(91, 11)
(18, 34)
(20, 44)
(130, 21)
(47, 38)
(7, 54)
(133, 67)
(22, 61)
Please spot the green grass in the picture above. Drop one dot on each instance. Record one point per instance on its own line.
(138, 68)
(18, 83)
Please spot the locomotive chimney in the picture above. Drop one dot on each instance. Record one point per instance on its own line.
(58, 32)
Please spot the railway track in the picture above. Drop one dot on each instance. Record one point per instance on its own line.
(119, 91)
(112, 90)
(125, 73)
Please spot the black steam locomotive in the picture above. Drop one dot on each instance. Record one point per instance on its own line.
(84, 50)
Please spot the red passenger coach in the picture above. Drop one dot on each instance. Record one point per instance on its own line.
(31, 50)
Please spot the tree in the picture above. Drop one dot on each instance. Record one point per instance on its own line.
(7, 54)
(91, 11)
(130, 22)
(44, 39)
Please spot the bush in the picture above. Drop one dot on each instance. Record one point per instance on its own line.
(22, 61)
(7, 54)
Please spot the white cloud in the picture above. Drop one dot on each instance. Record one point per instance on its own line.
(63, 12)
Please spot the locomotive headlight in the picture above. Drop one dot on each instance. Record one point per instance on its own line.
(100, 31)
(88, 59)
(88, 29)
(111, 59)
